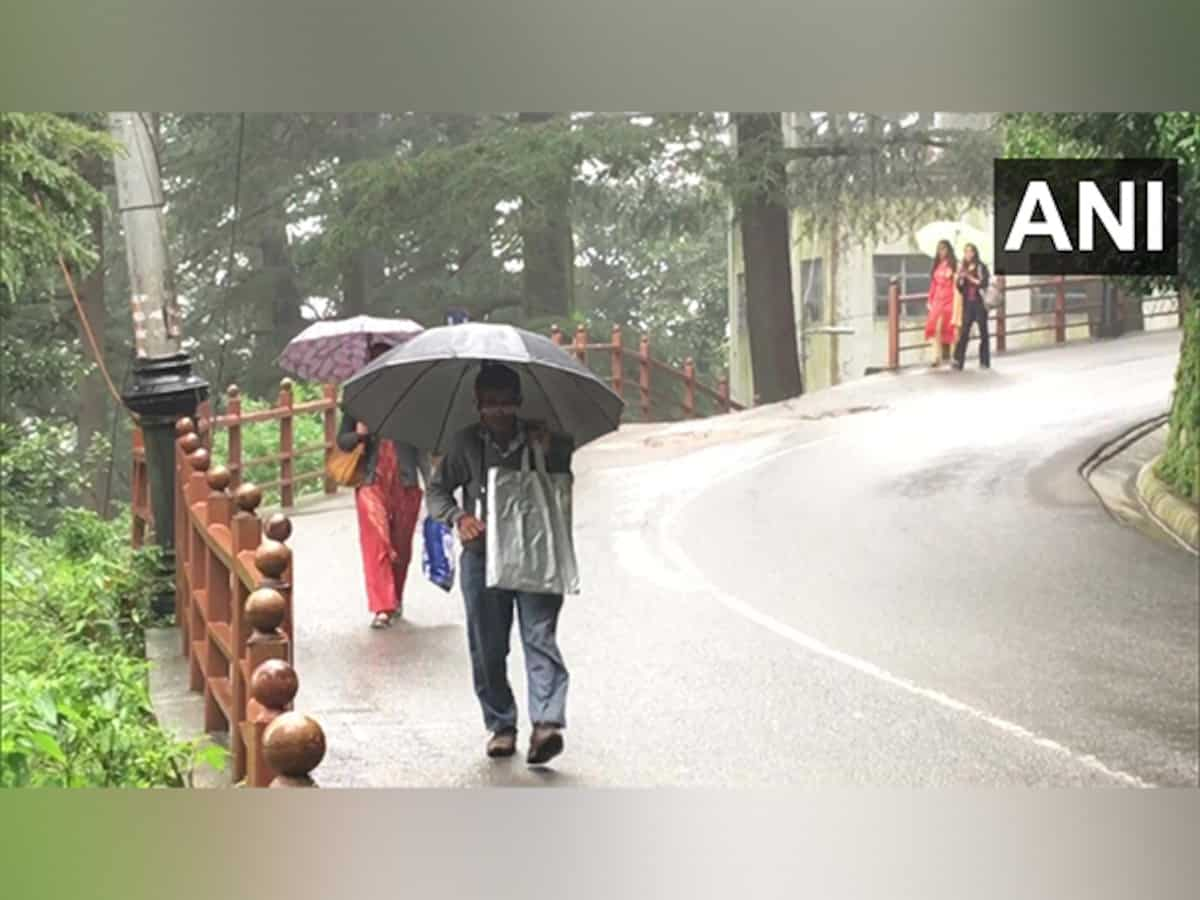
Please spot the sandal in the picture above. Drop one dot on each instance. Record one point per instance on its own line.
(381, 620)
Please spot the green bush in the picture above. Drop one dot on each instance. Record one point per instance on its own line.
(73, 678)
(41, 472)
(261, 439)
(1180, 464)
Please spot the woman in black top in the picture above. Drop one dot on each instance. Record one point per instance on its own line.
(973, 278)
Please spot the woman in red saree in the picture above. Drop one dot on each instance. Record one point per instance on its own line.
(389, 504)
(940, 326)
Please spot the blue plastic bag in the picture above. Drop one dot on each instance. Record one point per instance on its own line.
(437, 558)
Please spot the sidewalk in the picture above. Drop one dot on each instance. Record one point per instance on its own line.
(1121, 476)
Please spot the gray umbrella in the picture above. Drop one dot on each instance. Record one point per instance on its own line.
(422, 392)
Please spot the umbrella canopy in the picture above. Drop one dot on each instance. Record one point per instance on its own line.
(334, 349)
(422, 392)
(959, 234)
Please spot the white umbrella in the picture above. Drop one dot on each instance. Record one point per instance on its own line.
(959, 234)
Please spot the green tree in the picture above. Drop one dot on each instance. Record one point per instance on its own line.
(52, 203)
(1164, 135)
(858, 175)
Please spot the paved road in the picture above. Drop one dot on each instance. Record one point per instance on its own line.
(900, 582)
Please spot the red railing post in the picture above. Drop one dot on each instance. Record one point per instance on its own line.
(204, 424)
(689, 388)
(196, 492)
(287, 493)
(187, 442)
(1002, 314)
(618, 362)
(246, 535)
(581, 340)
(329, 416)
(723, 394)
(893, 359)
(644, 376)
(139, 486)
(234, 409)
(1060, 310)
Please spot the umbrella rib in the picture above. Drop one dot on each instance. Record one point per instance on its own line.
(408, 391)
(577, 384)
(450, 407)
(362, 387)
(546, 394)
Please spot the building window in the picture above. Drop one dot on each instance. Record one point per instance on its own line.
(913, 272)
(1041, 298)
(812, 290)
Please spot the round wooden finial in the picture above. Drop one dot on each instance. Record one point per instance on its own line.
(200, 459)
(285, 384)
(248, 496)
(219, 478)
(278, 527)
(294, 744)
(190, 442)
(184, 426)
(274, 684)
(272, 558)
(232, 391)
(265, 610)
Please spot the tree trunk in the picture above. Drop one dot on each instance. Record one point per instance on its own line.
(286, 300)
(766, 250)
(358, 270)
(547, 242)
(93, 398)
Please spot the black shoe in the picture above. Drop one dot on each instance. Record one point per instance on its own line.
(545, 744)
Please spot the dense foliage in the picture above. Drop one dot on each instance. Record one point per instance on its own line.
(75, 698)
(1164, 135)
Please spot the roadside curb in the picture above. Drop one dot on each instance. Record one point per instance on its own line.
(1174, 515)
(1120, 444)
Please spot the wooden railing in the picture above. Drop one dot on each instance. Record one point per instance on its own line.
(619, 357)
(999, 318)
(233, 421)
(233, 605)
(655, 389)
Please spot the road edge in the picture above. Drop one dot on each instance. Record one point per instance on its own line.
(1177, 517)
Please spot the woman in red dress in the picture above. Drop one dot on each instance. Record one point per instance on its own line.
(389, 505)
(940, 325)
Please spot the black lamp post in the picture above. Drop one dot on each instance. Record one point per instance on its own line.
(162, 387)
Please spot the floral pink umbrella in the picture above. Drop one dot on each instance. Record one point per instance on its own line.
(334, 349)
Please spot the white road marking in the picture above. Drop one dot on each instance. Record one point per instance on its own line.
(697, 581)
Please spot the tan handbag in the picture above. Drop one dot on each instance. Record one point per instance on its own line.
(346, 466)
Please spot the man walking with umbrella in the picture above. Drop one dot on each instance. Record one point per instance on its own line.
(456, 391)
(499, 439)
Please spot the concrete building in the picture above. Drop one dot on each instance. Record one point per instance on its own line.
(840, 295)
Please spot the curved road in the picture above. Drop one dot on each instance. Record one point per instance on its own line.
(921, 591)
(952, 544)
